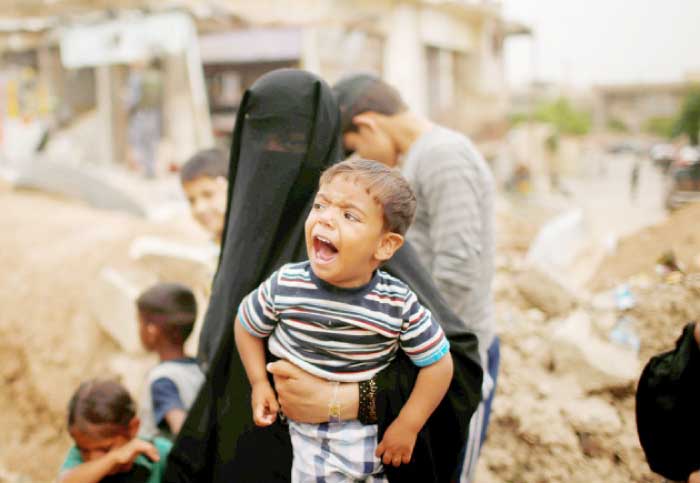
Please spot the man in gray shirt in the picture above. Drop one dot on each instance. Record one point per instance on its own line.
(453, 228)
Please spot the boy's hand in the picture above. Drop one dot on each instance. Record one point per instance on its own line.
(397, 445)
(265, 406)
(124, 456)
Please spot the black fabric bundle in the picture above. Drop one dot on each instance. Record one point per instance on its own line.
(668, 409)
(286, 133)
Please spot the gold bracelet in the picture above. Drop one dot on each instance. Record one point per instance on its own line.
(334, 405)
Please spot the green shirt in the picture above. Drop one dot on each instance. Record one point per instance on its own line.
(157, 468)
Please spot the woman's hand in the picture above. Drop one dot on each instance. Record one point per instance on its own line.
(305, 398)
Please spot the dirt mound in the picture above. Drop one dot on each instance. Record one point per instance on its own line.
(51, 252)
(662, 310)
(639, 252)
(545, 427)
(537, 433)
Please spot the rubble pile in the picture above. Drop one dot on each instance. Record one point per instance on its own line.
(564, 410)
(639, 253)
(52, 252)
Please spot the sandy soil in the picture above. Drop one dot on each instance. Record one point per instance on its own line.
(637, 253)
(51, 251)
(536, 434)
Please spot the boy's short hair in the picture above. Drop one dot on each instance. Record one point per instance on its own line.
(172, 306)
(101, 402)
(211, 163)
(358, 93)
(388, 187)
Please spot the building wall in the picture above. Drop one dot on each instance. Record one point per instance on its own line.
(635, 105)
(447, 65)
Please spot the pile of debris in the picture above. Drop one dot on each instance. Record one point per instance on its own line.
(638, 254)
(564, 410)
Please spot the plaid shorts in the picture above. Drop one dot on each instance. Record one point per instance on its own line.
(335, 452)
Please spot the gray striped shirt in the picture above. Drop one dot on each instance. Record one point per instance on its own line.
(453, 229)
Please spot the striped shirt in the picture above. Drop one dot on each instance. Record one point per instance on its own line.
(341, 334)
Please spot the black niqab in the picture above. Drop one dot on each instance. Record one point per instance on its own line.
(287, 131)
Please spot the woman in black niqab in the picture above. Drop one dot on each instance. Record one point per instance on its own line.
(287, 132)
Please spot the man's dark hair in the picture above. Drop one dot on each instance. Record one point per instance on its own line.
(385, 185)
(172, 306)
(358, 93)
(101, 403)
(211, 163)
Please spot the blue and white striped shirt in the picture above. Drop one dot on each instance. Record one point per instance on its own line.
(341, 334)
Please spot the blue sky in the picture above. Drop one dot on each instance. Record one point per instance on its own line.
(585, 42)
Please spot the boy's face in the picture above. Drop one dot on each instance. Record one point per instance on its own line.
(94, 441)
(148, 333)
(345, 236)
(207, 197)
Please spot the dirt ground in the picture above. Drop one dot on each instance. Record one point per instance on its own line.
(545, 427)
(52, 251)
(637, 254)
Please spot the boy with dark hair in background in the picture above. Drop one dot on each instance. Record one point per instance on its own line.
(166, 316)
(204, 179)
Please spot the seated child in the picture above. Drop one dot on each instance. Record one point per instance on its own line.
(341, 318)
(103, 424)
(204, 179)
(166, 314)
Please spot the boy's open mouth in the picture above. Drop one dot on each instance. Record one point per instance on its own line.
(324, 250)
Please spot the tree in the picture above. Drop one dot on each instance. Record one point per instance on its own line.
(688, 121)
(564, 117)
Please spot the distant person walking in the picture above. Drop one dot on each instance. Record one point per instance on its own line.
(634, 179)
(144, 106)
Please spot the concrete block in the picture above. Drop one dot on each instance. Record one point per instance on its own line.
(592, 415)
(544, 293)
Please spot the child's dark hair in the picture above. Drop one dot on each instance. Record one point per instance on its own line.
(386, 185)
(101, 402)
(211, 163)
(172, 306)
